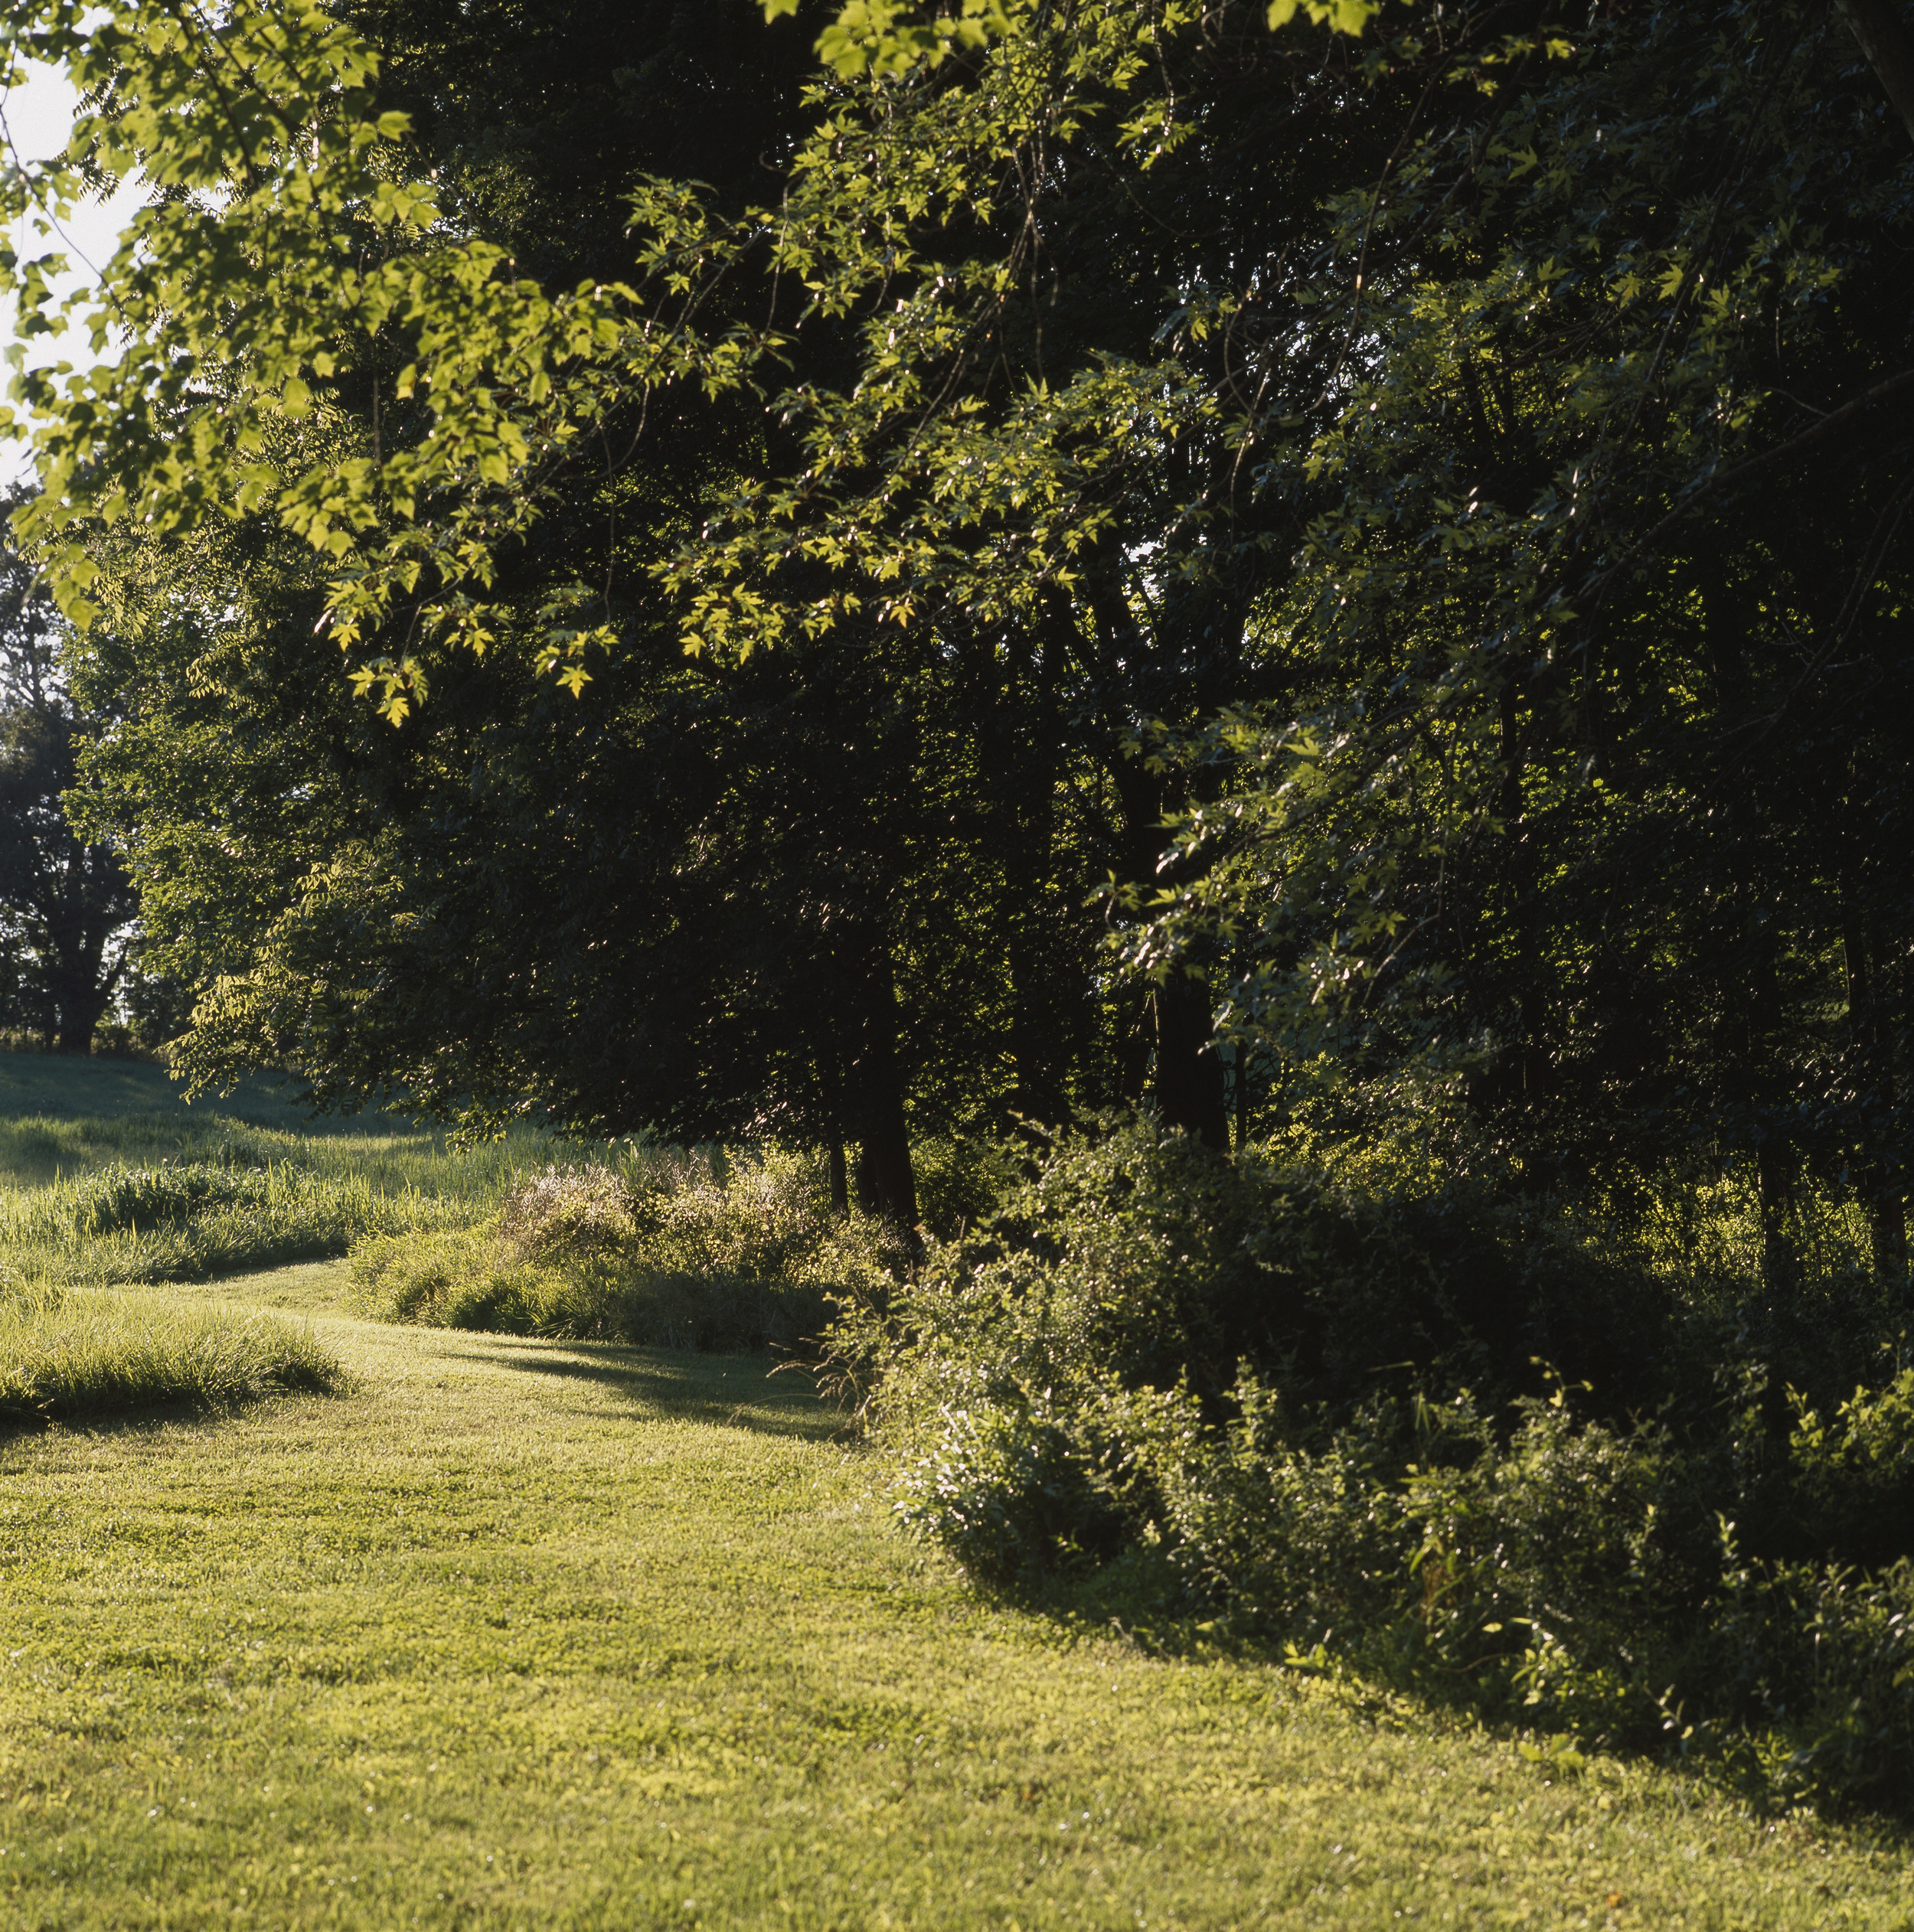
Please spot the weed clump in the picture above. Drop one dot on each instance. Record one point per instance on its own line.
(670, 1249)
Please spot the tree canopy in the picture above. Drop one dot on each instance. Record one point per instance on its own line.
(1067, 550)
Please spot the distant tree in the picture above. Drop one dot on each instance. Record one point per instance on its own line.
(65, 905)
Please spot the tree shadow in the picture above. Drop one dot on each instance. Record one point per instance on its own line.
(738, 1391)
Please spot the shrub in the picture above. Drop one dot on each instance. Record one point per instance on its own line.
(1307, 1407)
(566, 1211)
(1141, 1256)
(674, 1250)
(68, 1352)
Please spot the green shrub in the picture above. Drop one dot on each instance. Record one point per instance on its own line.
(1850, 1481)
(963, 1179)
(68, 1352)
(1142, 1256)
(1015, 1494)
(672, 1250)
(1569, 1576)
(115, 1197)
(1308, 1407)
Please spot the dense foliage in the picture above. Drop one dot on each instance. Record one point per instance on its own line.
(1336, 572)
(1581, 1476)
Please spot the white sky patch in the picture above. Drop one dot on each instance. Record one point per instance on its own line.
(38, 117)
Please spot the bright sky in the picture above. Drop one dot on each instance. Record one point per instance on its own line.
(37, 117)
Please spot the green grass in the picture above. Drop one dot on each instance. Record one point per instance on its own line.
(60, 1086)
(519, 1633)
(287, 1190)
(534, 1635)
(219, 1216)
(68, 1352)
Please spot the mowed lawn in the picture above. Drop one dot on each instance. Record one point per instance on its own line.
(535, 1635)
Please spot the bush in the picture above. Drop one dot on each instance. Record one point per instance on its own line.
(68, 1352)
(1142, 1256)
(673, 1250)
(1308, 1407)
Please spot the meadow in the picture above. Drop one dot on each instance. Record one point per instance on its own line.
(515, 1632)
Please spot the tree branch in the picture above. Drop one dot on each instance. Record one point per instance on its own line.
(1877, 25)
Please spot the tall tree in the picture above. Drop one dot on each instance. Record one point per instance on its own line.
(66, 902)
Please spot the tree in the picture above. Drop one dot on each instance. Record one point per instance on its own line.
(1352, 551)
(65, 902)
(711, 898)
(1609, 708)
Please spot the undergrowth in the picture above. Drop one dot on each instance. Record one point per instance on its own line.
(1405, 1425)
(666, 1249)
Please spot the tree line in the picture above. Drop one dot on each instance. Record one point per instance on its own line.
(1346, 559)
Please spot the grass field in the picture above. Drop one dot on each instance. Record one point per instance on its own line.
(529, 1635)
(520, 1634)
(58, 1086)
(90, 1151)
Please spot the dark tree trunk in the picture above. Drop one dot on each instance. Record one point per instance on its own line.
(1532, 1059)
(1877, 25)
(80, 1008)
(1135, 1031)
(886, 1183)
(840, 1175)
(1190, 1089)
(1871, 1044)
(1021, 749)
(831, 1085)
(1774, 1179)
(1039, 1030)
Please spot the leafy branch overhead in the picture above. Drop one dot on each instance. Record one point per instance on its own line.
(1383, 442)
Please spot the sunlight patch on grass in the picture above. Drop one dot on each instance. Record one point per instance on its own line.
(520, 1634)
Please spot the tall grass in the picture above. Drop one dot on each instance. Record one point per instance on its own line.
(664, 1247)
(159, 1196)
(68, 1352)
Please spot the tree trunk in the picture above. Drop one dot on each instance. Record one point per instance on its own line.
(1871, 1044)
(1190, 1089)
(1877, 25)
(1774, 1179)
(1533, 1065)
(840, 1177)
(80, 1014)
(886, 1184)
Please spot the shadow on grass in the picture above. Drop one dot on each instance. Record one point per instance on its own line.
(724, 1391)
(1140, 1597)
(151, 1415)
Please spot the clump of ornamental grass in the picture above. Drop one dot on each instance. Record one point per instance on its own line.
(671, 1249)
(70, 1352)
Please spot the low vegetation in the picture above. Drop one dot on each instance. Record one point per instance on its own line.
(1411, 1427)
(666, 1249)
(1172, 1525)
(522, 1633)
(71, 1354)
(166, 1194)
